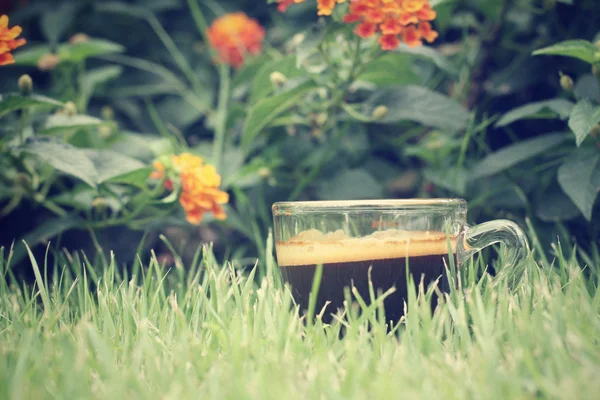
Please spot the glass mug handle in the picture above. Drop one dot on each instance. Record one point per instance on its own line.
(475, 238)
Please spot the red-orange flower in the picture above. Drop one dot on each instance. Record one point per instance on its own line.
(284, 4)
(199, 186)
(324, 7)
(8, 40)
(234, 37)
(396, 21)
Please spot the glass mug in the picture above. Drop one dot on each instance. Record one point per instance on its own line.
(349, 238)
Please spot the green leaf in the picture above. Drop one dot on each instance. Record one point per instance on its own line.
(137, 177)
(112, 165)
(583, 118)
(143, 90)
(581, 49)
(266, 110)
(14, 101)
(556, 206)
(60, 123)
(30, 54)
(91, 166)
(69, 52)
(235, 162)
(80, 196)
(142, 147)
(246, 73)
(262, 85)
(579, 177)
(351, 184)
(451, 179)
(432, 55)
(516, 153)
(171, 198)
(561, 108)
(390, 69)
(179, 112)
(418, 104)
(55, 21)
(79, 52)
(65, 158)
(96, 77)
(587, 87)
(434, 147)
(313, 37)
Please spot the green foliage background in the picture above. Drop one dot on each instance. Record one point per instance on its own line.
(476, 115)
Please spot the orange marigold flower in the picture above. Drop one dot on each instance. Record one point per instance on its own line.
(234, 37)
(8, 40)
(199, 186)
(396, 21)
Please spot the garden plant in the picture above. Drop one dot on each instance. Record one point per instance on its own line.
(144, 142)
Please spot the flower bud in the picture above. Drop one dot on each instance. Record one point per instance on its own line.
(595, 132)
(25, 85)
(566, 82)
(298, 39)
(597, 44)
(70, 109)
(38, 197)
(379, 112)
(321, 119)
(99, 204)
(48, 62)
(105, 131)
(107, 113)
(264, 172)
(277, 78)
(79, 38)
(597, 57)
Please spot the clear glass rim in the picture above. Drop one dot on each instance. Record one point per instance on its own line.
(295, 207)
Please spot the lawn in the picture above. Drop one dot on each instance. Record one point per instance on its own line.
(206, 331)
(183, 122)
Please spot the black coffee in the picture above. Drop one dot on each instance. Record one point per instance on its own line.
(426, 261)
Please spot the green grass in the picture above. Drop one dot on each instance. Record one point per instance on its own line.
(207, 332)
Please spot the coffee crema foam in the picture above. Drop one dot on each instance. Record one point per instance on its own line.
(315, 247)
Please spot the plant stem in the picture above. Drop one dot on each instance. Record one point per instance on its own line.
(172, 48)
(337, 102)
(82, 97)
(221, 120)
(23, 125)
(199, 19)
(180, 86)
(465, 143)
(56, 209)
(329, 152)
(352, 74)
